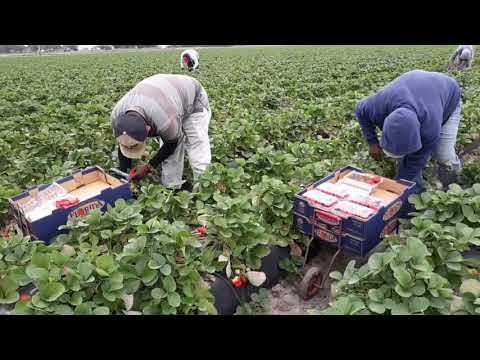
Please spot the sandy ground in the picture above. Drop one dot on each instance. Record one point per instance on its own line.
(285, 298)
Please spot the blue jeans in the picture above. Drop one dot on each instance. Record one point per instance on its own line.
(449, 164)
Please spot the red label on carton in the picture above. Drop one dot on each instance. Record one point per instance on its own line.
(392, 210)
(328, 218)
(85, 209)
(325, 235)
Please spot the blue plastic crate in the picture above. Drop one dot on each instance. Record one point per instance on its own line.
(46, 228)
(354, 234)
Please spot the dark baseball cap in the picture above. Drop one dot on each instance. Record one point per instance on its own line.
(132, 124)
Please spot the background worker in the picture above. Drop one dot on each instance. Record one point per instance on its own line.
(173, 108)
(419, 115)
(463, 56)
(190, 59)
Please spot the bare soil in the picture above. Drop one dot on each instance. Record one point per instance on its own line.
(285, 298)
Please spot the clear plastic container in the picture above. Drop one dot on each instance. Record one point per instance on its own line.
(368, 188)
(347, 207)
(44, 203)
(320, 198)
(52, 193)
(338, 190)
(366, 200)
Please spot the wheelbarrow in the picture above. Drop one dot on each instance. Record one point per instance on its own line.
(316, 278)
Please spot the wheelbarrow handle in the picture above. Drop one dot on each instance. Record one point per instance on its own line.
(120, 174)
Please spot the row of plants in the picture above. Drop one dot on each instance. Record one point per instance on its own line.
(138, 258)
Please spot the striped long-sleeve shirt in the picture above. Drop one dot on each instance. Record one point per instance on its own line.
(164, 101)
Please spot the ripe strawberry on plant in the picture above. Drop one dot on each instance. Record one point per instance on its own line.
(237, 282)
(25, 297)
(201, 231)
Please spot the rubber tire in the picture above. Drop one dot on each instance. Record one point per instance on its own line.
(314, 273)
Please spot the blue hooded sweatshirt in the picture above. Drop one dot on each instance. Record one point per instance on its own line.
(410, 111)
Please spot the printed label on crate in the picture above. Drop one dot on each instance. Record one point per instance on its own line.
(327, 218)
(388, 229)
(392, 210)
(336, 230)
(85, 209)
(325, 235)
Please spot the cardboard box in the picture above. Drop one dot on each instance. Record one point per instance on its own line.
(353, 233)
(93, 187)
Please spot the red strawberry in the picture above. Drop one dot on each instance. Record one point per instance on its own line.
(237, 282)
(201, 231)
(25, 297)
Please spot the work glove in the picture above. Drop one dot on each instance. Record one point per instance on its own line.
(376, 151)
(140, 171)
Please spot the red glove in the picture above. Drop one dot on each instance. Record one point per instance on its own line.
(375, 151)
(140, 171)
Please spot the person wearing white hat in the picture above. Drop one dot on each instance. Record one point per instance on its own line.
(190, 59)
(173, 108)
(463, 55)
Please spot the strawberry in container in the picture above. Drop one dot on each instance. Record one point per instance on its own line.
(366, 200)
(337, 190)
(319, 198)
(347, 208)
(364, 182)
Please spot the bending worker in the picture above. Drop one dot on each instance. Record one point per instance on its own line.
(463, 56)
(190, 59)
(419, 114)
(173, 108)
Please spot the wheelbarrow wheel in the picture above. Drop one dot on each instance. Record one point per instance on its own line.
(311, 282)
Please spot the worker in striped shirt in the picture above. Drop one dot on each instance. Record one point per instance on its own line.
(173, 108)
(463, 56)
(190, 59)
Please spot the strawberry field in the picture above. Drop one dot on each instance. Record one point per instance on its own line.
(282, 118)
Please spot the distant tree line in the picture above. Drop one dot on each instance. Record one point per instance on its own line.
(197, 46)
(112, 47)
(12, 49)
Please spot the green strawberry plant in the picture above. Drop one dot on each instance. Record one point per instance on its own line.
(470, 297)
(15, 255)
(235, 229)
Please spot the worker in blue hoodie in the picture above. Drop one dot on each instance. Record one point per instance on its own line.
(419, 115)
